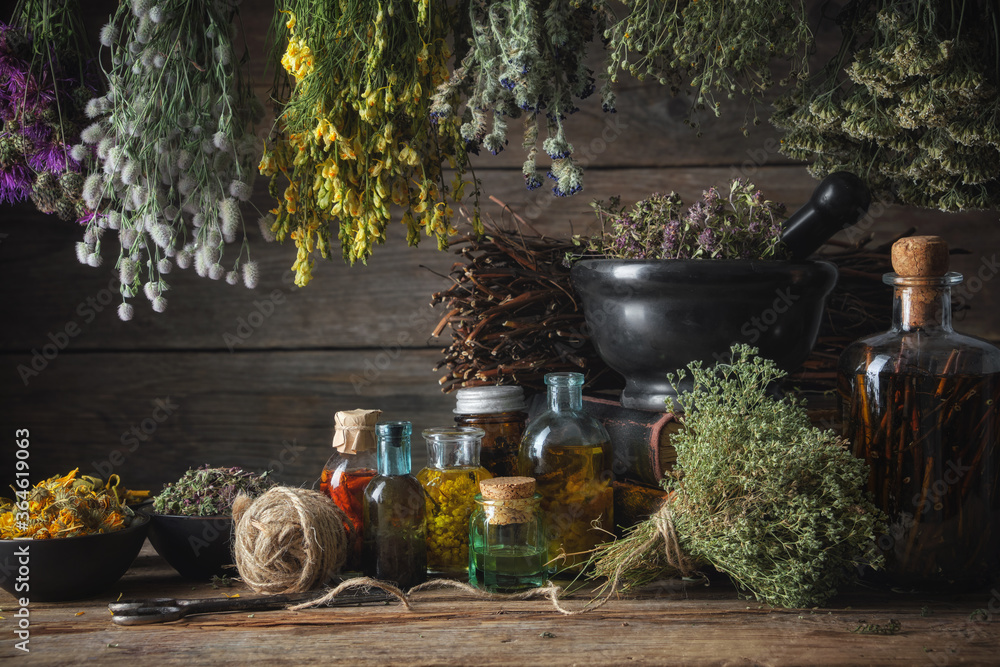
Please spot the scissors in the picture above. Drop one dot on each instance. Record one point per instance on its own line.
(161, 610)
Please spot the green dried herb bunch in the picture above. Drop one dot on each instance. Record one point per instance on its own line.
(526, 56)
(757, 492)
(915, 112)
(715, 46)
(209, 491)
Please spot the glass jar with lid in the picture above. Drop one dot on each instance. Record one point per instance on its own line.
(568, 453)
(508, 548)
(920, 404)
(450, 482)
(501, 412)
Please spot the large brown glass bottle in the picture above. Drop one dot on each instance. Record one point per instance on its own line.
(920, 404)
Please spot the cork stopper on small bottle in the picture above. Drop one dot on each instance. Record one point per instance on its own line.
(921, 257)
(507, 488)
(507, 500)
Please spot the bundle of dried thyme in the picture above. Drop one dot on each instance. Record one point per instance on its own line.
(757, 492)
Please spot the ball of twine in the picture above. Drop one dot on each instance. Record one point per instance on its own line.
(288, 540)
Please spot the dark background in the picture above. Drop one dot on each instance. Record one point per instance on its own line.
(355, 337)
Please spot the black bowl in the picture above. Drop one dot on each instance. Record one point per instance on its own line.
(648, 318)
(70, 568)
(198, 547)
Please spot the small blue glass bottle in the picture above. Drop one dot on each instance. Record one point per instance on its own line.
(395, 542)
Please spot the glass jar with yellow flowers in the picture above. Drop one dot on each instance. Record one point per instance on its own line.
(451, 481)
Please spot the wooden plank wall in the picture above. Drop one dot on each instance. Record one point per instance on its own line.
(149, 398)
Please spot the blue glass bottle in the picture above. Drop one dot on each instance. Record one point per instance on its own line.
(395, 542)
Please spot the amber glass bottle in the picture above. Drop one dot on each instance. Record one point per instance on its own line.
(920, 404)
(500, 412)
(568, 453)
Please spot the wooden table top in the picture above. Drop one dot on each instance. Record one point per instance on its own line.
(672, 623)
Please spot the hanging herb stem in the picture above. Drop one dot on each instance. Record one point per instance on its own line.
(526, 57)
(176, 148)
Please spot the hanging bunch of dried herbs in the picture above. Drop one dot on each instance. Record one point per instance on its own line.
(174, 139)
(756, 492)
(526, 57)
(209, 491)
(916, 110)
(712, 46)
(353, 135)
(47, 77)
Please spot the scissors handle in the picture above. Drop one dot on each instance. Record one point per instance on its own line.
(161, 610)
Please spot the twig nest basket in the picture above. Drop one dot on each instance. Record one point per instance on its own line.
(288, 540)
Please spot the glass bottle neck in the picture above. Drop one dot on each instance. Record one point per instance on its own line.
(565, 398)
(394, 456)
(922, 308)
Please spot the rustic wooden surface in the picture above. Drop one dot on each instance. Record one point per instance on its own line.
(695, 625)
(242, 397)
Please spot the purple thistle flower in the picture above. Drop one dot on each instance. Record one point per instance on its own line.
(37, 132)
(15, 184)
(54, 158)
(89, 216)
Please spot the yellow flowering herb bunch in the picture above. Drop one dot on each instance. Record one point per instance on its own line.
(354, 134)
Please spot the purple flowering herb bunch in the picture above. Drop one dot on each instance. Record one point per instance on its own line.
(47, 77)
(743, 225)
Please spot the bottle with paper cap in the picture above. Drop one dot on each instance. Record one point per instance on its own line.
(348, 471)
(395, 540)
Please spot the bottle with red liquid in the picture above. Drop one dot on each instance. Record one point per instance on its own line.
(346, 474)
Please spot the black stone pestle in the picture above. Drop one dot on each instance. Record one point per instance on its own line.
(839, 201)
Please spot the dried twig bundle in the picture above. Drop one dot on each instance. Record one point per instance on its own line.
(513, 314)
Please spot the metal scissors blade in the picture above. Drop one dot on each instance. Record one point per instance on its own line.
(162, 610)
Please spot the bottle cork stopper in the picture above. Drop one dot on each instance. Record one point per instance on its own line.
(507, 488)
(920, 257)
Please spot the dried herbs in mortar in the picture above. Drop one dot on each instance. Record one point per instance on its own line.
(757, 492)
(209, 491)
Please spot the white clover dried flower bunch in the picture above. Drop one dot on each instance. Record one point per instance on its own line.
(916, 111)
(526, 57)
(175, 143)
